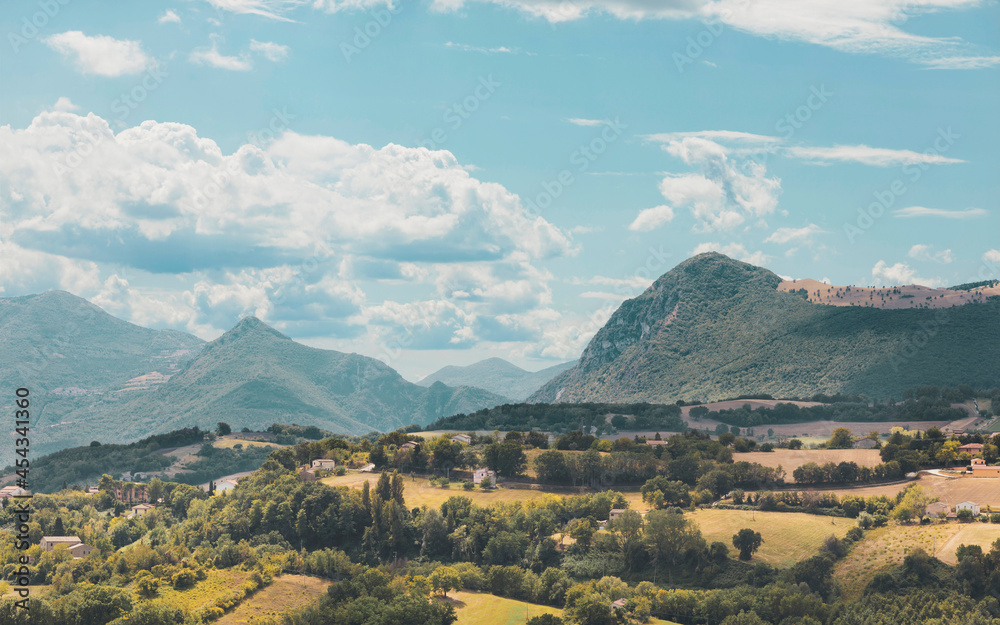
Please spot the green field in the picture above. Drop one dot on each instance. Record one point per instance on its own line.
(788, 536)
(481, 609)
(218, 583)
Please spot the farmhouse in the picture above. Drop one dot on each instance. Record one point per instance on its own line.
(409, 445)
(981, 469)
(48, 543)
(306, 474)
(324, 463)
(465, 439)
(81, 550)
(937, 510)
(12, 491)
(223, 485)
(141, 509)
(972, 448)
(615, 513)
(968, 505)
(484, 474)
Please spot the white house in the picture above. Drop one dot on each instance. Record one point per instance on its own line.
(81, 550)
(324, 463)
(141, 509)
(968, 505)
(465, 439)
(223, 485)
(48, 543)
(368, 468)
(484, 474)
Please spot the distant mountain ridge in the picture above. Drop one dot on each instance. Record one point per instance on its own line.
(497, 376)
(91, 377)
(713, 327)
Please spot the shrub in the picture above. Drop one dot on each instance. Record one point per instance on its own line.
(183, 579)
(995, 518)
(467, 485)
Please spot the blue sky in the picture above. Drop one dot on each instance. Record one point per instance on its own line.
(441, 181)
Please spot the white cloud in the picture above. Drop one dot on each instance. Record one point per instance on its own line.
(733, 250)
(272, 51)
(865, 155)
(925, 252)
(271, 9)
(588, 123)
(467, 48)
(992, 256)
(786, 235)
(922, 211)
(900, 274)
(64, 104)
(718, 136)
(963, 62)
(169, 17)
(211, 56)
(652, 218)
(629, 283)
(854, 26)
(100, 55)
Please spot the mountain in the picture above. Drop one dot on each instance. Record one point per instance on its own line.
(497, 376)
(713, 328)
(253, 376)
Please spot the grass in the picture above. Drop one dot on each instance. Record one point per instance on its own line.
(884, 548)
(288, 592)
(233, 442)
(475, 608)
(219, 582)
(981, 534)
(788, 536)
(983, 490)
(418, 492)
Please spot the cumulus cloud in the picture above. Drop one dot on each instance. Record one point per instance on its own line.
(925, 252)
(922, 211)
(900, 274)
(733, 250)
(992, 256)
(169, 17)
(100, 55)
(212, 57)
(273, 52)
(652, 218)
(64, 104)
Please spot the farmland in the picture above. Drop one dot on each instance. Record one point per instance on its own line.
(885, 547)
(984, 491)
(219, 582)
(419, 491)
(288, 592)
(789, 459)
(970, 534)
(788, 536)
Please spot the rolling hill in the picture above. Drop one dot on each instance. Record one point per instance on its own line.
(497, 376)
(713, 328)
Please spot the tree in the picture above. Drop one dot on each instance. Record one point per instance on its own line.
(445, 578)
(913, 504)
(223, 429)
(146, 585)
(748, 542)
(669, 536)
(57, 527)
(582, 531)
(506, 458)
(662, 492)
(795, 444)
(841, 439)
(545, 619)
(628, 533)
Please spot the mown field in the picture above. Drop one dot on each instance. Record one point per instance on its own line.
(418, 491)
(288, 592)
(982, 490)
(884, 548)
(981, 534)
(480, 609)
(788, 536)
(790, 459)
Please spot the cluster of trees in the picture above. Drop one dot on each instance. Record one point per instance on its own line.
(568, 417)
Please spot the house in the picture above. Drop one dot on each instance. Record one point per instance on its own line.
(619, 603)
(130, 492)
(615, 513)
(465, 439)
(937, 510)
(972, 448)
(968, 505)
(81, 550)
(93, 490)
(324, 463)
(306, 474)
(368, 468)
(409, 445)
(142, 509)
(12, 491)
(981, 469)
(656, 442)
(48, 543)
(865, 443)
(484, 474)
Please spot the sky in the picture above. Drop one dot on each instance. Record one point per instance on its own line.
(441, 181)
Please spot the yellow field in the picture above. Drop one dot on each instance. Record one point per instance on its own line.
(884, 548)
(981, 534)
(287, 592)
(218, 583)
(788, 536)
(983, 490)
(481, 609)
(790, 459)
(232, 442)
(418, 492)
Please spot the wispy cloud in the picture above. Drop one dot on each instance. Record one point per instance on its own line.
(733, 250)
(922, 211)
(169, 17)
(588, 123)
(922, 251)
(271, 9)
(212, 57)
(271, 51)
(962, 62)
(787, 235)
(652, 218)
(467, 48)
(865, 155)
(100, 55)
